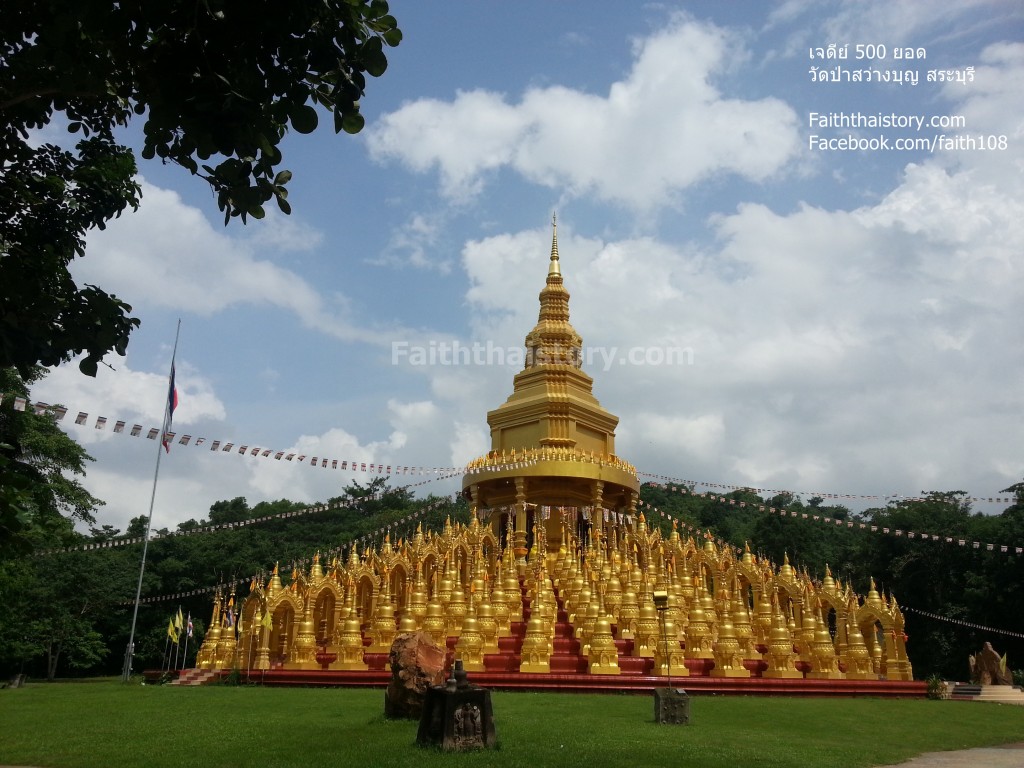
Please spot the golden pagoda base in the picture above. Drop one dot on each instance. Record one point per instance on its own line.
(587, 683)
(783, 674)
(861, 676)
(732, 673)
(567, 670)
(348, 666)
(312, 664)
(825, 675)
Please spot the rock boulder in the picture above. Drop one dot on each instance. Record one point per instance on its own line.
(417, 663)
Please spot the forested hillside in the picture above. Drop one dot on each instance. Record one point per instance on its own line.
(69, 613)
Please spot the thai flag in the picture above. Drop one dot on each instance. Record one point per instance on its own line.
(172, 403)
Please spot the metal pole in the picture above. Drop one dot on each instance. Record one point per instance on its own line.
(248, 655)
(668, 653)
(660, 598)
(163, 661)
(177, 645)
(126, 672)
(184, 657)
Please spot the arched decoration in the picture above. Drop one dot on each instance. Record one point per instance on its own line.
(366, 596)
(428, 568)
(883, 638)
(399, 580)
(745, 577)
(491, 543)
(285, 610)
(463, 560)
(326, 602)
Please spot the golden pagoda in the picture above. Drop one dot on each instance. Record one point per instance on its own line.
(557, 571)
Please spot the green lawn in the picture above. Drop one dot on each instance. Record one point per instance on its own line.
(110, 724)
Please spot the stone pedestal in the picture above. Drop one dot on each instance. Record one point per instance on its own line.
(457, 716)
(671, 706)
(16, 681)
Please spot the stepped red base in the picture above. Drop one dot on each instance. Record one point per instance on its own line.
(503, 680)
(569, 672)
(195, 677)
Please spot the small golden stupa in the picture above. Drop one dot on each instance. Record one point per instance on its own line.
(557, 571)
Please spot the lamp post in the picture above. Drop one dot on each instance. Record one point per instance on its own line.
(671, 706)
(660, 598)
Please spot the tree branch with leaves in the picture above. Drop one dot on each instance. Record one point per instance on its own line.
(218, 84)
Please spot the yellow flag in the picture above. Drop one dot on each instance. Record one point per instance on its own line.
(171, 631)
(268, 620)
(179, 621)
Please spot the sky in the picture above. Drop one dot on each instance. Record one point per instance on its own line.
(770, 291)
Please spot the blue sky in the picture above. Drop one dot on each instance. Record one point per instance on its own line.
(848, 321)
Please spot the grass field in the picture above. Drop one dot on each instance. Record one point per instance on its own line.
(110, 724)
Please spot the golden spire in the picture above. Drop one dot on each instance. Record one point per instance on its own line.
(553, 341)
(786, 571)
(553, 268)
(828, 583)
(873, 597)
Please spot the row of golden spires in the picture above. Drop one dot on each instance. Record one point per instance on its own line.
(723, 614)
(497, 459)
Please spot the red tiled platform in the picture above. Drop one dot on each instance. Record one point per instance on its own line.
(568, 673)
(584, 683)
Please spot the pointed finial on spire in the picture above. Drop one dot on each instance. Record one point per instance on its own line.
(553, 268)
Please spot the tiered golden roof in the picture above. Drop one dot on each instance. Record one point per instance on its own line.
(552, 443)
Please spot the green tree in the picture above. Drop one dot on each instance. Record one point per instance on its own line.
(217, 84)
(57, 608)
(39, 465)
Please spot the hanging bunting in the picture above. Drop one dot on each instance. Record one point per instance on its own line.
(958, 622)
(123, 542)
(687, 484)
(853, 524)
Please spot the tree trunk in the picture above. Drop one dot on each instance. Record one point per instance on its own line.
(53, 656)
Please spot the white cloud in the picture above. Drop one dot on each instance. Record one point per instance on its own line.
(680, 436)
(907, 23)
(469, 442)
(416, 433)
(473, 134)
(414, 244)
(882, 21)
(167, 254)
(413, 416)
(278, 233)
(301, 481)
(662, 129)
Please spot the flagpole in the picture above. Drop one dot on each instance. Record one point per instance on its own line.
(188, 634)
(177, 645)
(163, 661)
(248, 655)
(126, 671)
